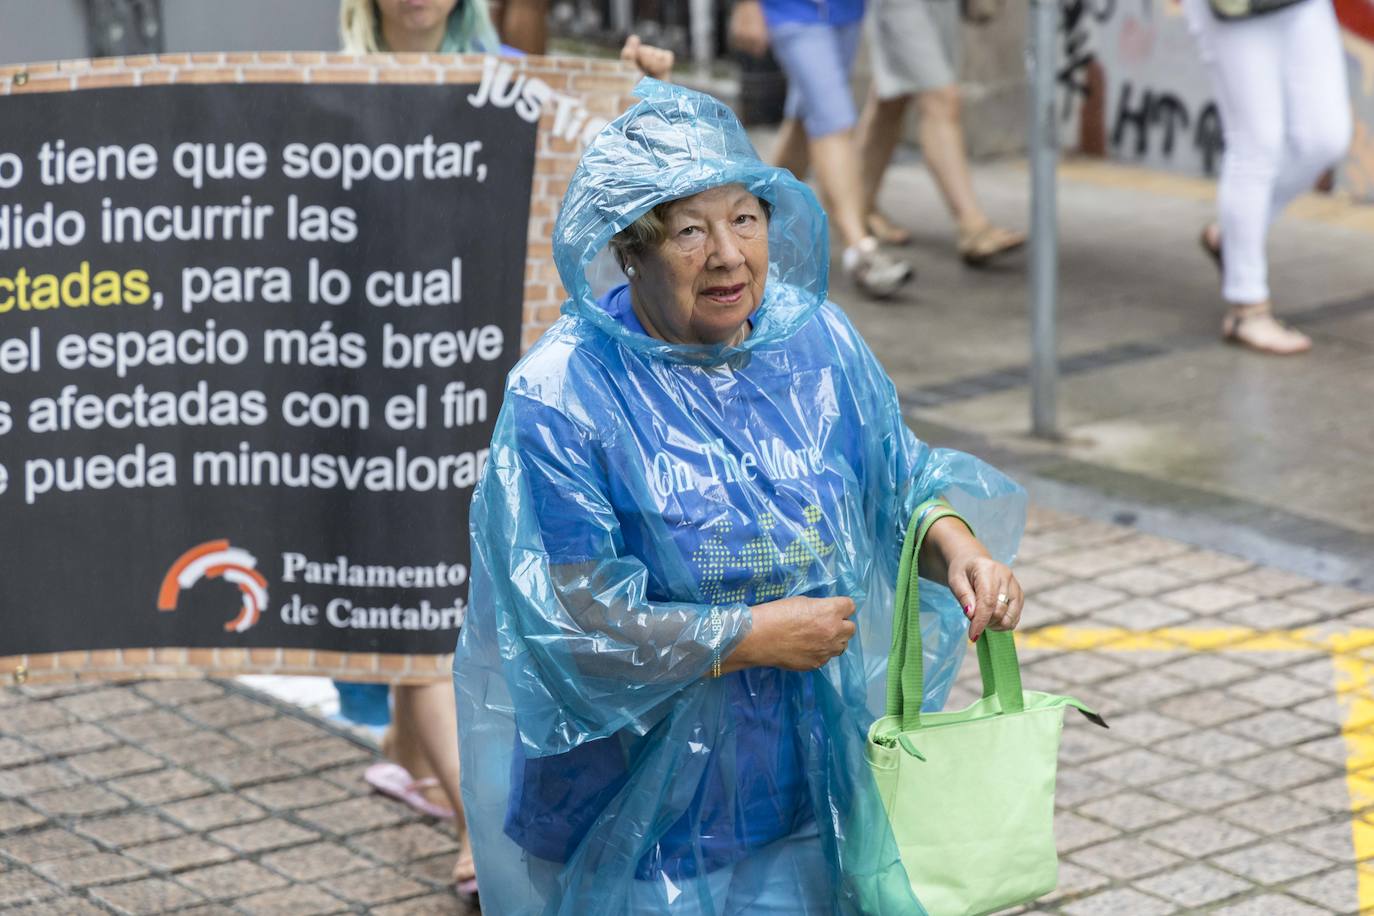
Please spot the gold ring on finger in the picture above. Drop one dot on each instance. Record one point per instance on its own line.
(1003, 599)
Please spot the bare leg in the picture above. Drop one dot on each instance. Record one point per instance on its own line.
(942, 144)
(880, 129)
(789, 149)
(837, 172)
(424, 739)
(836, 164)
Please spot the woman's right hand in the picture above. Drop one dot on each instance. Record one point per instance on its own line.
(799, 634)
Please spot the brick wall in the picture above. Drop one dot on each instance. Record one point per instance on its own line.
(602, 86)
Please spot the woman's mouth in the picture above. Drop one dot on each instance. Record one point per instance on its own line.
(725, 295)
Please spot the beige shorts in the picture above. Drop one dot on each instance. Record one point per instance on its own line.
(914, 45)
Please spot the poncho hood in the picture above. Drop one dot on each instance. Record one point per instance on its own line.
(674, 143)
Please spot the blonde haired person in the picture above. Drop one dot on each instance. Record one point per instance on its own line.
(453, 27)
(445, 26)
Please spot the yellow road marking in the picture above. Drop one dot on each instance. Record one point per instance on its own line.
(1170, 639)
(1353, 665)
(1355, 693)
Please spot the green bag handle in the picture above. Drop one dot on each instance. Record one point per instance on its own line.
(997, 661)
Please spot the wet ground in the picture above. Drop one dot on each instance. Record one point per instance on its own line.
(1267, 457)
(1185, 564)
(1237, 776)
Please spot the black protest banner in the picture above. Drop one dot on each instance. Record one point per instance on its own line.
(252, 345)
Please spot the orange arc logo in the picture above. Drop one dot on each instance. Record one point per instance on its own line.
(217, 560)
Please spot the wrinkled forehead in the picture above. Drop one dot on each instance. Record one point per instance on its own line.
(721, 196)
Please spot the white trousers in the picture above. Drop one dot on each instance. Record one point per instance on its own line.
(1285, 110)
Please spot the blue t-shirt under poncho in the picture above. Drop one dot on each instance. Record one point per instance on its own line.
(755, 789)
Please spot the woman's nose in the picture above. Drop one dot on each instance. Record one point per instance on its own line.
(725, 250)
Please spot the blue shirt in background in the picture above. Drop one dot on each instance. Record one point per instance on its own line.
(813, 12)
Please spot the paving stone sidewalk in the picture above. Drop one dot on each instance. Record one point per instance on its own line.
(1222, 785)
(201, 797)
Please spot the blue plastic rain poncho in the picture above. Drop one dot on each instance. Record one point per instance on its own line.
(640, 496)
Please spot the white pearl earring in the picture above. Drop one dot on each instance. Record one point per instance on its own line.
(631, 272)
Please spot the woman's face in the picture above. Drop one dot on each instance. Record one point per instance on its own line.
(415, 15)
(702, 282)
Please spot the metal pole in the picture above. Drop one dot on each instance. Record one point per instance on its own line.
(622, 17)
(1044, 241)
(702, 20)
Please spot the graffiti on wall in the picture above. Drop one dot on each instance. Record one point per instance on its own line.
(1133, 87)
(1357, 19)
(1149, 119)
(1078, 67)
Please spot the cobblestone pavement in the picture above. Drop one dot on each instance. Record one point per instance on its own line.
(1235, 778)
(201, 797)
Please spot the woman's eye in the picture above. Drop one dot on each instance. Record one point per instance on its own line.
(745, 218)
(688, 230)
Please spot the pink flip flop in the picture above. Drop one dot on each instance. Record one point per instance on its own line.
(395, 780)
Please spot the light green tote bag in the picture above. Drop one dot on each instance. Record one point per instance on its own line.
(970, 794)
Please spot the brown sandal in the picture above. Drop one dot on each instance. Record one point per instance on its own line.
(980, 246)
(1255, 327)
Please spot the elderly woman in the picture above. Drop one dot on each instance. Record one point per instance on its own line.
(684, 545)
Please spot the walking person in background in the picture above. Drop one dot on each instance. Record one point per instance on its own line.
(915, 47)
(1285, 109)
(815, 45)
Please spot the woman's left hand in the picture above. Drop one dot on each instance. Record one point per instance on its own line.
(986, 590)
